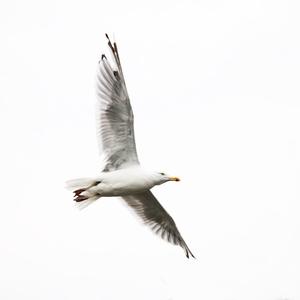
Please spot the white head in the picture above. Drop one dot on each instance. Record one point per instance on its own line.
(162, 178)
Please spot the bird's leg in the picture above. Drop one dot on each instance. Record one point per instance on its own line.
(78, 197)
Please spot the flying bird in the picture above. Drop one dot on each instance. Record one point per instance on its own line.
(122, 174)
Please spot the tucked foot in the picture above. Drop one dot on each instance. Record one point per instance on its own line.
(78, 197)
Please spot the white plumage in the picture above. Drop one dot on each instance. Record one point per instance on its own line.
(122, 174)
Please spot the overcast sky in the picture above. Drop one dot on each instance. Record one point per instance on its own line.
(214, 86)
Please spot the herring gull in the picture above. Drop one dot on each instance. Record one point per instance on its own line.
(122, 174)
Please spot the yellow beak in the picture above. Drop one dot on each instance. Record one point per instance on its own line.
(173, 178)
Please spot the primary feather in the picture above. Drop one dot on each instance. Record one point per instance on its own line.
(115, 122)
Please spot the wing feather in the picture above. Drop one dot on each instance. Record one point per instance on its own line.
(115, 116)
(156, 217)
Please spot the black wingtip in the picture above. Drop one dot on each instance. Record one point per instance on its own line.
(102, 57)
(109, 43)
(188, 253)
(108, 39)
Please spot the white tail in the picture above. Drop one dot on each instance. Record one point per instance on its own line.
(84, 191)
(79, 183)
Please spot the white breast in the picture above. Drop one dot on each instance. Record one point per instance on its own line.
(124, 182)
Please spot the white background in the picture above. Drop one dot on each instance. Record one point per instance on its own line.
(215, 90)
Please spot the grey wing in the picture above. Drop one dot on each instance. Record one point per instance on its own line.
(115, 116)
(154, 215)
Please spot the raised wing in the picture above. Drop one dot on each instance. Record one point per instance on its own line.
(155, 216)
(115, 117)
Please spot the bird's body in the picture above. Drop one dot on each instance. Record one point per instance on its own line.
(122, 174)
(126, 181)
(123, 182)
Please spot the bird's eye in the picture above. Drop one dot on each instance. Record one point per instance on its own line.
(163, 174)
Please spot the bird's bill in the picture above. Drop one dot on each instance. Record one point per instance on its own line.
(174, 178)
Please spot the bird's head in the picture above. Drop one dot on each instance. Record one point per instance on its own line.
(162, 178)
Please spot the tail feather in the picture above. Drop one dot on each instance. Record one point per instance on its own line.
(78, 183)
(86, 203)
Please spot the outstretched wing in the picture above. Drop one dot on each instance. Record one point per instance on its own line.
(115, 117)
(154, 215)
